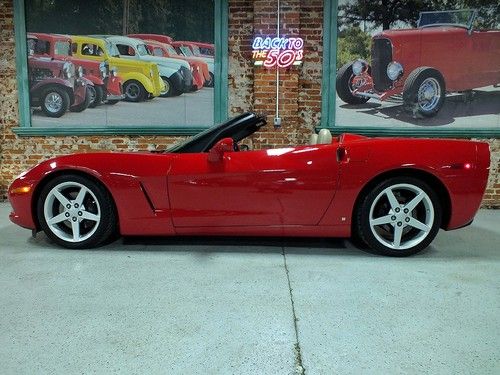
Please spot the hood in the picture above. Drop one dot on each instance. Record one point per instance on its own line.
(166, 61)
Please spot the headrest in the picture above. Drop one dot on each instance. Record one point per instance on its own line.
(313, 139)
(324, 137)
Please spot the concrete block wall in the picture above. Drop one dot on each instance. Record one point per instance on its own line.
(250, 88)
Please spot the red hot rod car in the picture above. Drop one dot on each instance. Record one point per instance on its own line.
(379, 190)
(450, 51)
(105, 85)
(57, 86)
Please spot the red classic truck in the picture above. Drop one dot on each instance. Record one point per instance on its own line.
(449, 51)
(107, 86)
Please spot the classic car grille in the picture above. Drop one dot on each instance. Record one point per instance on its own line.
(381, 57)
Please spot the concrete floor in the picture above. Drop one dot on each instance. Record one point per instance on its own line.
(225, 306)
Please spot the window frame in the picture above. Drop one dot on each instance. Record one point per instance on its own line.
(25, 128)
(328, 107)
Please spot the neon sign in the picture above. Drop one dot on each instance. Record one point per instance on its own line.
(281, 52)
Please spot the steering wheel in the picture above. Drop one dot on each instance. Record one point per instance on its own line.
(236, 147)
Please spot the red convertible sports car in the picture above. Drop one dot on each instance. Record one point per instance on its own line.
(392, 194)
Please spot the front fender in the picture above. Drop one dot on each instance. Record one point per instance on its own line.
(37, 87)
(166, 71)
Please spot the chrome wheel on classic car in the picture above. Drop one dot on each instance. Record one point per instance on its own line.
(424, 92)
(55, 101)
(76, 212)
(399, 217)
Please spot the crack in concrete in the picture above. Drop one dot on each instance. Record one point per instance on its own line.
(299, 367)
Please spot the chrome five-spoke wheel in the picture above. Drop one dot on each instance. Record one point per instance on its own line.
(76, 212)
(399, 217)
(72, 211)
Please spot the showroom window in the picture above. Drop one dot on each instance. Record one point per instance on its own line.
(440, 79)
(121, 66)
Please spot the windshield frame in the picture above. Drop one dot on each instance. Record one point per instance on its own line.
(468, 26)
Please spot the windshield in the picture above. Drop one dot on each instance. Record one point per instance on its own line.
(142, 49)
(171, 50)
(196, 50)
(460, 18)
(112, 49)
(179, 145)
(186, 51)
(62, 48)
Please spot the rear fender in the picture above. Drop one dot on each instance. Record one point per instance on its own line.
(144, 80)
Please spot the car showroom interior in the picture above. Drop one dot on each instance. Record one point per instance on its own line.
(249, 187)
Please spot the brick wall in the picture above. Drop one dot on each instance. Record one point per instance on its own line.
(249, 89)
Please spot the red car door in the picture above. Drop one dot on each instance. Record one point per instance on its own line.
(289, 186)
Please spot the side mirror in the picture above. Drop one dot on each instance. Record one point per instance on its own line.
(216, 153)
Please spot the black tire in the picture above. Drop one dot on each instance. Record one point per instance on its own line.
(211, 81)
(169, 89)
(60, 99)
(97, 96)
(343, 86)
(375, 204)
(112, 101)
(85, 104)
(134, 91)
(414, 83)
(96, 201)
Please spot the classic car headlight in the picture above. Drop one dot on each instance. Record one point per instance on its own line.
(358, 66)
(67, 69)
(394, 70)
(80, 72)
(114, 71)
(151, 73)
(103, 69)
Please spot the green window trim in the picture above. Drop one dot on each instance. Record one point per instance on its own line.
(329, 95)
(220, 89)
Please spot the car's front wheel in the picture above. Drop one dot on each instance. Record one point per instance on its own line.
(346, 83)
(55, 101)
(424, 92)
(169, 88)
(398, 217)
(76, 212)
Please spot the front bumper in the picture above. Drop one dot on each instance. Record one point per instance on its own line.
(365, 88)
(80, 91)
(114, 88)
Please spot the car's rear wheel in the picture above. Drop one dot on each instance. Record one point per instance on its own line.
(424, 92)
(346, 84)
(398, 217)
(134, 91)
(55, 101)
(76, 212)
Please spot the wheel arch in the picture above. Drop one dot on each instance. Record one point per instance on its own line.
(430, 179)
(40, 90)
(61, 172)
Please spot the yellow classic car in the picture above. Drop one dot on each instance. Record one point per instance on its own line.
(141, 80)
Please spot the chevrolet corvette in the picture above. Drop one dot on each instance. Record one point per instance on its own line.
(391, 194)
